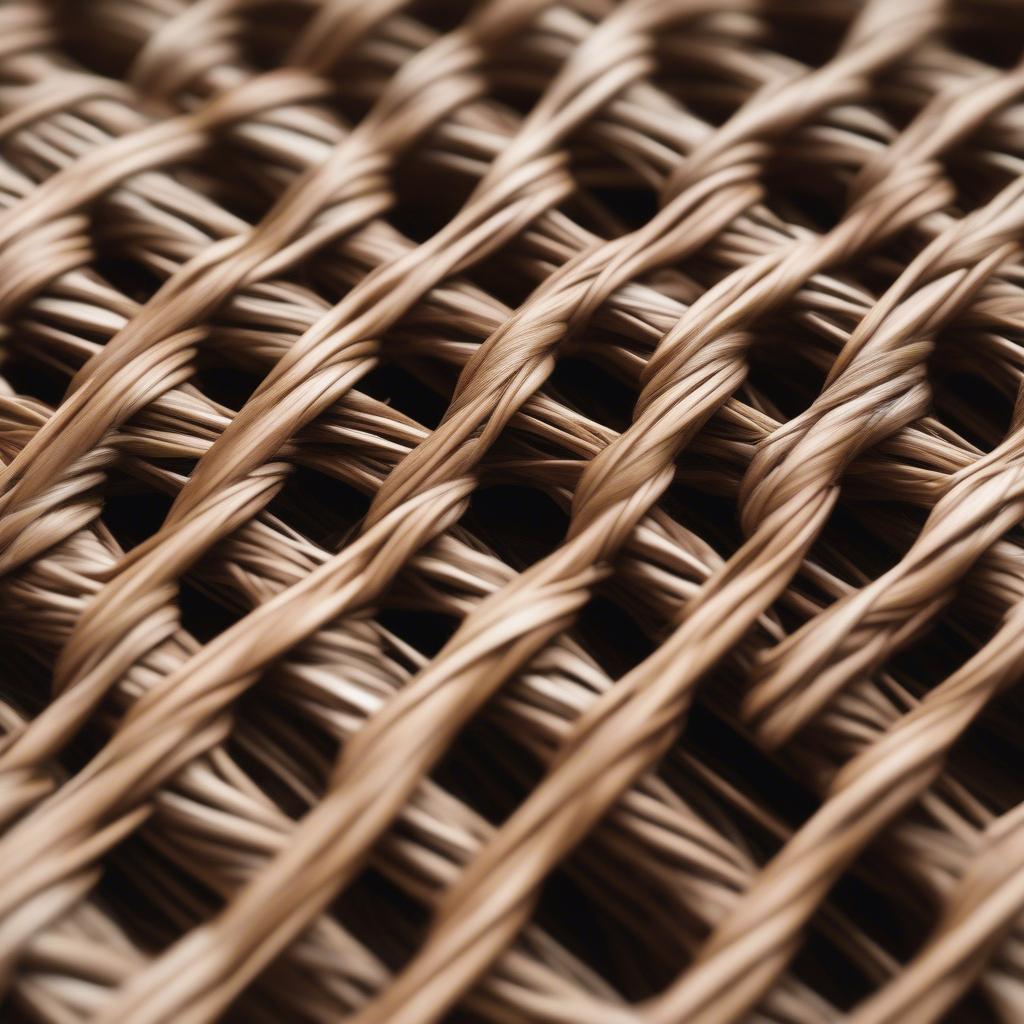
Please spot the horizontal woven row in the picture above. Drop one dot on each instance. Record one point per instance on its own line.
(511, 511)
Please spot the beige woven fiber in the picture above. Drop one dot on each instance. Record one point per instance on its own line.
(511, 511)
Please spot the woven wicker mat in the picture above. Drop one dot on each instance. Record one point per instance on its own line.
(510, 511)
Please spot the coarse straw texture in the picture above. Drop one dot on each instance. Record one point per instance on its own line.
(511, 511)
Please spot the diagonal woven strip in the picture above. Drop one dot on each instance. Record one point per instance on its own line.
(511, 511)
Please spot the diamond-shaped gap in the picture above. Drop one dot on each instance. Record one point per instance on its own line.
(250, 191)
(382, 916)
(987, 757)
(420, 396)
(226, 384)
(623, 204)
(32, 377)
(133, 511)
(428, 171)
(895, 910)
(983, 36)
(596, 390)
(521, 523)
(598, 905)
(206, 607)
(267, 36)
(523, 67)
(325, 508)
(512, 271)
(25, 679)
(980, 170)
(784, 341)
(140, 875)
(698, 59)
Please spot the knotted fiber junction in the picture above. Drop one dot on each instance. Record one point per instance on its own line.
(511, 511)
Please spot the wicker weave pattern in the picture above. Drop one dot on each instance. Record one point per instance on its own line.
(299, 712)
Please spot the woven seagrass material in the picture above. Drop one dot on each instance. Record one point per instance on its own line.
(510, 511)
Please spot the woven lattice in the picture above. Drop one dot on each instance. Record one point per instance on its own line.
(509, 511)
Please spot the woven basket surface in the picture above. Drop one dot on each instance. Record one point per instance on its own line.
(510, 511)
